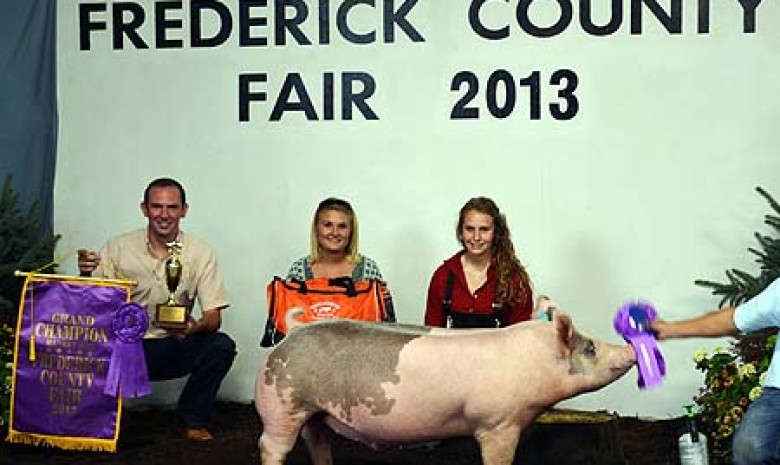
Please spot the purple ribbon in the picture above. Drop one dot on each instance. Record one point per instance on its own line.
(128, 364)
(632, 321)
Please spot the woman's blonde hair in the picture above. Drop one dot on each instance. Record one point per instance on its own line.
(332, 203)
(507, 263)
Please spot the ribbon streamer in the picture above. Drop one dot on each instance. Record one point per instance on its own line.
(632, 321)
(128, 364)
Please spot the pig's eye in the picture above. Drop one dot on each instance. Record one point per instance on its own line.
(590, 349)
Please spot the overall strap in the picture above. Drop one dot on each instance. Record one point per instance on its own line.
(446, 304)
(496, 306)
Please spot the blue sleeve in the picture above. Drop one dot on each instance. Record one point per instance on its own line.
(762, 311)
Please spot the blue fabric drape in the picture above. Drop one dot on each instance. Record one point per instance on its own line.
(28, 100)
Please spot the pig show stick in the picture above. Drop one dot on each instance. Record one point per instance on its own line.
(632, 321)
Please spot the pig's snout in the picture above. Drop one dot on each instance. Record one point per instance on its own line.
(631, 353)
(626, 358)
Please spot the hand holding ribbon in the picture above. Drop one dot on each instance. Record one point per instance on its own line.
(128, 364)
(632, 321)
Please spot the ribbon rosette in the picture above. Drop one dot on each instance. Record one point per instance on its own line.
(128, 364)
(633, 323)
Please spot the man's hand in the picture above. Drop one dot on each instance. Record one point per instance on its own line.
(209, 322)
(659, 329)
(88, 261)
(181, 333)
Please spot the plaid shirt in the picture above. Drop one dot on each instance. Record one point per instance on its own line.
(365, 269)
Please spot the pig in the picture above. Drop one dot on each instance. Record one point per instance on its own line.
(390, 384)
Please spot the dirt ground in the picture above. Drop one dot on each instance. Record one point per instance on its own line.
(153, 437)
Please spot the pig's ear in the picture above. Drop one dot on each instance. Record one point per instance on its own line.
(565, 332)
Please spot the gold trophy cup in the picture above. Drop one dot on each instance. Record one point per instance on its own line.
(172, 314)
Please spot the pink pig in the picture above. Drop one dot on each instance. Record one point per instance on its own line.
(394, 384)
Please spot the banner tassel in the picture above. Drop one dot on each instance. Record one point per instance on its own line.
(32, 355)
(32, 347)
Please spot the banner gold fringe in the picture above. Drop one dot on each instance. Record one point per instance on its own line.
(86, 444)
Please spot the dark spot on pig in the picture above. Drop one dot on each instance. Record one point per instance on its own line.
(583, 350)
(590, 349)
(339, 365)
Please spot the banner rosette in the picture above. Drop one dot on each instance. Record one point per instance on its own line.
(632, 321)
(64, 343)
(127, 369)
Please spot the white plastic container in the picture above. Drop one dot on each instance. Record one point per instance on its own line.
(691, 444)
(693, 453)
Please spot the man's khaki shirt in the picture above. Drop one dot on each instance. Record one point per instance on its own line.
(129, 256)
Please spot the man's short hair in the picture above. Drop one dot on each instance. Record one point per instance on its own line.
(165, 182)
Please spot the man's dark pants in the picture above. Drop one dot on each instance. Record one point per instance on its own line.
(206, 357)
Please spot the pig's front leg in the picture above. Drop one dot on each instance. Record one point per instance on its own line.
(497, 445)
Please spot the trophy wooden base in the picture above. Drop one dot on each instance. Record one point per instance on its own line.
(171, 316)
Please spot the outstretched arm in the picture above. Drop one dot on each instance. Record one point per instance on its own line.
(713, 324)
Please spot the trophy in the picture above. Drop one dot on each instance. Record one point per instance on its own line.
(172, 314)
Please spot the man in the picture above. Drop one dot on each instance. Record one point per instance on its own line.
(757, 439)
(199, 349)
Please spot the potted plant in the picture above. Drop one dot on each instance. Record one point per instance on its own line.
(24, 245)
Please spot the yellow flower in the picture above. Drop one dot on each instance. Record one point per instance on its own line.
(747, 369)
(714, 383)
(729, 386)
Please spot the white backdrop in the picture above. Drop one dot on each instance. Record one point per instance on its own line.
(648, 187)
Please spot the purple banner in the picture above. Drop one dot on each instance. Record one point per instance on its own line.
(64, 346)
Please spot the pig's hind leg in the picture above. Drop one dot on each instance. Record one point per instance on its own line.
(497, 445)
(273, 451)
(279, 438)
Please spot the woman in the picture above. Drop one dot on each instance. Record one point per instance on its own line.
(484, 285)
(334, 249)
